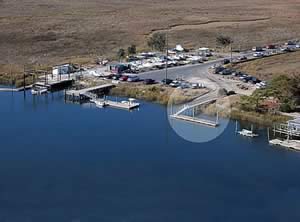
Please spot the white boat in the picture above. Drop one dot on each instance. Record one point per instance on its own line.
(247, 133)
(39, 90)
(130, 102)
(99, 103)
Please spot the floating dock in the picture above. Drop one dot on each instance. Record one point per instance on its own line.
(87, 93)
(195, 120)
(128, 105)
(15, 89)
(54, 85)
(292, 144)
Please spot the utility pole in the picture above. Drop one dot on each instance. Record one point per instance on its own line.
(11, 78)
(231, 51)
(167, 55)
(24, 81)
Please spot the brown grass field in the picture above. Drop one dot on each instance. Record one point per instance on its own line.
(266, 68)
(55, 31)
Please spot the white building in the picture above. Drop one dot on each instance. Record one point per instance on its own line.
(62, 69)
(294, 126)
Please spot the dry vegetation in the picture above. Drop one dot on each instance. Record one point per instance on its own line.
(269, 67)
(155, 93)
(52, 31)
(229, 107)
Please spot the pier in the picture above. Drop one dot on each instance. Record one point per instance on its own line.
(15, 89)
(128, 105)
(291, 144)
(196, 120)
(54, 84)
(87, 93)
(181, 116)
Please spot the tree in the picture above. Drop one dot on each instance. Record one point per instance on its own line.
(225, 41)
(121, 53)
(157, 41)
(131, 50)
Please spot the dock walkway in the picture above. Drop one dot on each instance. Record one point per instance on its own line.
(180, 114)
(87, 93)
(196, 120)
(292, 144)
(15, 89)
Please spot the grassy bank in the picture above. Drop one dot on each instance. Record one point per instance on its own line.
(229, 107)
(156, 93)
(260, 119)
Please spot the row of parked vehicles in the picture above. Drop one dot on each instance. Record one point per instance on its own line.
(275, 49)
(130, 78)
(221, 70)
(182, 84)
(177, 83)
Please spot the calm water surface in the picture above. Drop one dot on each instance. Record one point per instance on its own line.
(66, 162)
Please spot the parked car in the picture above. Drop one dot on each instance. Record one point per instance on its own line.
(175, 83)
(290, 43)
(260, 85)
(218, 69)
(286, 49)
(149, 81)
(166, 81)
(226, 61)
(257, 49)
(242, 58)
(123, 78)
(271, 47)
(133, 79)
(253, 80)
(183, 86)
(197, 85)
(226, 72)
(258, 55)
(116, 77)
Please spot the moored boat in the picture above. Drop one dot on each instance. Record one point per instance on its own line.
(39, 90)
(247, 133)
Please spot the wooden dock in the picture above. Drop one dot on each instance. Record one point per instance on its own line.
(195, 120)
(15, 89)
(291, 144)
(54, 84)
(120, 105)
(87, 93)
(128, 105)
(191, 106)
(285, 129)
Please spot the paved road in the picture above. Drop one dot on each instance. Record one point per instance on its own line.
(185, 72)
(188, 71)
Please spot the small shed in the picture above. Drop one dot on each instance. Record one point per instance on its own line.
(294, 125)
(62, 69)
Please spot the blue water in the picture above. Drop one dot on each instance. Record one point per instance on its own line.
(66, 162)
